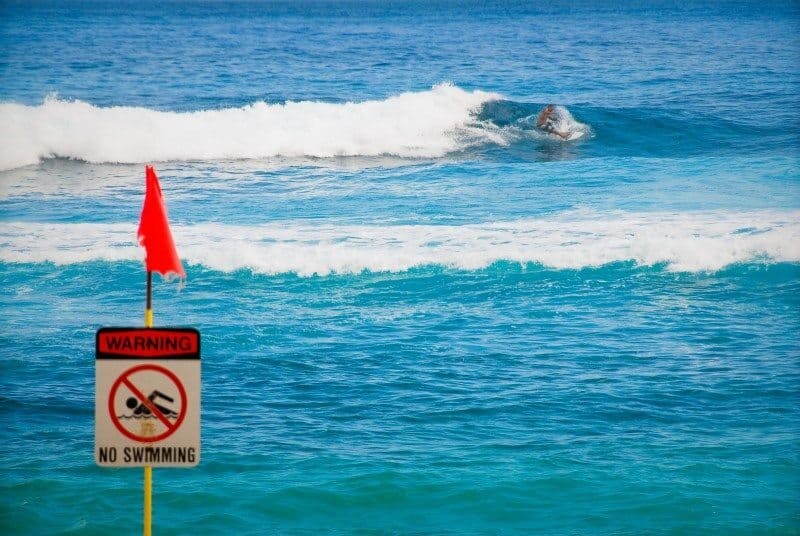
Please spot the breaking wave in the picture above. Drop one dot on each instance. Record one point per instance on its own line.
(692, 242)
(416, 124)
(426, 124)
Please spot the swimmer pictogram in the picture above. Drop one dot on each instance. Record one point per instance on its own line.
(152, 417)
(139, 408)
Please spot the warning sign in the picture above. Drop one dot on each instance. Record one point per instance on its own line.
(147, 386)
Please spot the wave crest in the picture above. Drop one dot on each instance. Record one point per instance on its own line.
(424, 124)
(693, 242)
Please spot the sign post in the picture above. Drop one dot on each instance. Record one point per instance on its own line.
(147, 380)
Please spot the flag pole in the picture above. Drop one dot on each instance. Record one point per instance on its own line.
(160, 256)
(148, 470)
(148, 312)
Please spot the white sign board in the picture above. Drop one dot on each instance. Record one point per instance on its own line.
(147, 397)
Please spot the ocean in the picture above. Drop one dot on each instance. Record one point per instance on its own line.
(420, 313)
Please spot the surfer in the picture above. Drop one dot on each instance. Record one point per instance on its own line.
(548, 118)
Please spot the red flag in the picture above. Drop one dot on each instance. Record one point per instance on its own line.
(154, 234)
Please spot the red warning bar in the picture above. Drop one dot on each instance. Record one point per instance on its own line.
(148, 342)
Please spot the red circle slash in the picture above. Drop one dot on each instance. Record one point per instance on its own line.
(124, 380)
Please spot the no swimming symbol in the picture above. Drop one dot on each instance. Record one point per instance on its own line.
(147, 403)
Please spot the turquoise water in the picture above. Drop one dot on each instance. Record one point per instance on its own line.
(420, 313)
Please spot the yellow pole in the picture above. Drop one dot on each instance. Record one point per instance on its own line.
(148, 500)
(148, 471)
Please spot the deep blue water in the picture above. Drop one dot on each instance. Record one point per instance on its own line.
(420, 313)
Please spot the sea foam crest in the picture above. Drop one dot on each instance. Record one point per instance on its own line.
(702, 241)
(415, 124)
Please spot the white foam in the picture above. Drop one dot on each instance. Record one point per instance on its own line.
(416, 124)
(697, 241)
